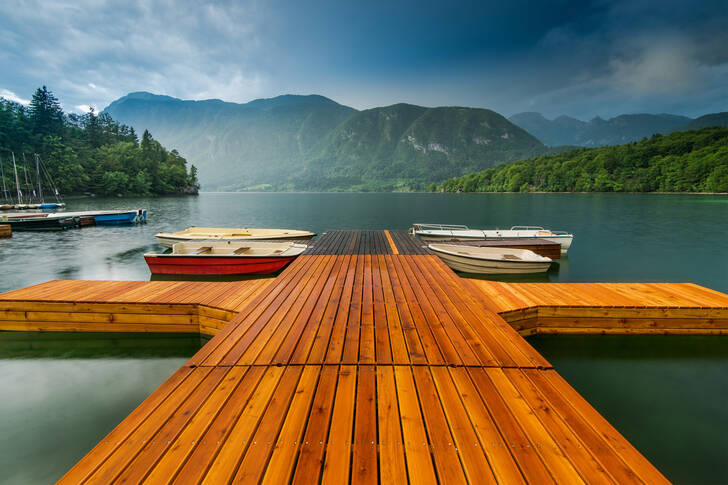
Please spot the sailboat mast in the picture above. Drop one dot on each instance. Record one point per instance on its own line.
(2, 176)
(17, 184)
(28, 187)
(37, 172)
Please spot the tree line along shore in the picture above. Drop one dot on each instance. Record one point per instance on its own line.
(88, 153)
(689, 161)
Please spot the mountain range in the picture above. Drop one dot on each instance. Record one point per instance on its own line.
(619, 130)
(294, 142)
(307, 143)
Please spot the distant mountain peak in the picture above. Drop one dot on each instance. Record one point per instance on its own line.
(565, 130)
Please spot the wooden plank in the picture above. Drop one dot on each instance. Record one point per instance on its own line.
(364, 468)
(310, 460)
(476, 466)
(350, 354)
(294, 392)
(524, 451)
(392, 246)
(416, 445)
(392, 466)
(575, 450)
(367, 344)
(383, 350)
(225, 463)
(338, 448)
(397, 351)
(558, 464)
(322, 314)
(421, 346)
(495, 448)
(444, 451)
(207, 448)
(281, 464)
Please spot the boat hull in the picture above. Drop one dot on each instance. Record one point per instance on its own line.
(168, 241)
(564, 241)
(125, 217)
(43, 224)
(489, 266)
(215, 265)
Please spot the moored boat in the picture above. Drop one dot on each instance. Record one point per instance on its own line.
(489, 260)
(224, 257)
(440, 232)
(168, 239)
(112, 217)
(41, 223)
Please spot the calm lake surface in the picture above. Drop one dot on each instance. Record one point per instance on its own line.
(618, 237)
(666, 394)
(63, 392)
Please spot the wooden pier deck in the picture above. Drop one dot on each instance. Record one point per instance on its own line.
(365, 361)
(608, 308)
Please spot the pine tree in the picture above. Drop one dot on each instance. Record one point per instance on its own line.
(46, 114)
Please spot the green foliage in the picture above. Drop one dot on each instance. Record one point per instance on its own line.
(689, 161)
(90, 152)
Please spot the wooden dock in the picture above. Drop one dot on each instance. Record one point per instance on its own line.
(365, 361)
(608, 308)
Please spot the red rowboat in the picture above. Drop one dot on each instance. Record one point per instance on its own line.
(224, 258)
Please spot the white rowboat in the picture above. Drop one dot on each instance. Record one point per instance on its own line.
(486, 260)
(440, 232)
(167, 239)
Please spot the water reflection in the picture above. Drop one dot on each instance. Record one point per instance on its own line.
(63, 392)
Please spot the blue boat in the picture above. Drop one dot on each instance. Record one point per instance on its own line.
(110, 217)
(121, 217)
(52, 205)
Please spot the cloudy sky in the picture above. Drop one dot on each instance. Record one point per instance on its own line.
(558, 57)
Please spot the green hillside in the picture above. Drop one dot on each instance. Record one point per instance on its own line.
(406, 147)
(312, 143)
(713, 119)
(689, 161)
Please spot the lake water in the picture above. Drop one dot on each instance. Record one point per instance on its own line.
(618, 237)
(63, 392)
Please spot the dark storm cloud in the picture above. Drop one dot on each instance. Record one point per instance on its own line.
(557, 57)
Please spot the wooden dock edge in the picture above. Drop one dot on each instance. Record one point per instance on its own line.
(44, 316)
(588, 320)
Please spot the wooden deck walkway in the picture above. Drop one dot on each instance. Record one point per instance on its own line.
(623, 308)
(365, 361)
(126, 306)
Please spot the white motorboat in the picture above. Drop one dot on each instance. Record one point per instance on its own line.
(443, 232)
(486, 260)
